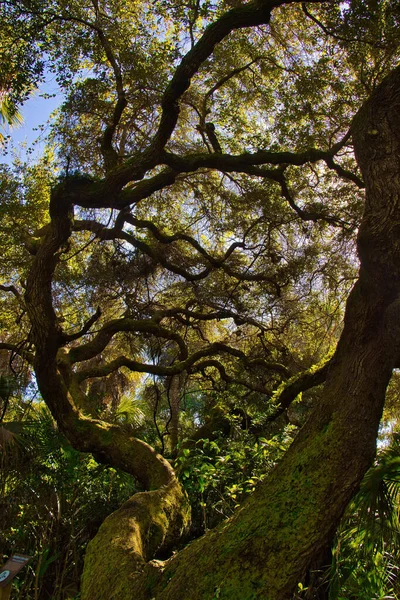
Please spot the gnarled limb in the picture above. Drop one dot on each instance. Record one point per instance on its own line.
(130, 537)
(154, 518)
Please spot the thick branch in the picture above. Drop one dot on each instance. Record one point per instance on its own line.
(288, 391)
(255, 13)
(190, 364)
(85, 329)
(20, 350)
(109, 193)
(104, 336)
(241, 162)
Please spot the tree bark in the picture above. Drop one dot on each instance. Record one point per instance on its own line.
(269, 545)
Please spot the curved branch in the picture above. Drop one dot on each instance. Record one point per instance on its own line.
(106, 333)
(109, 193)
(223, 313)
(168, 239)
(75, 336)
(133, 365)
(344, 173)
(226, 78)
(160, 257)
(48, 17)
(288, 391)
(254, 387)
(335, 35)
(189, 364)
(19, 349)
(271, 366)
(13, 290)
(109, 153)
(306, 215)
(254, 13)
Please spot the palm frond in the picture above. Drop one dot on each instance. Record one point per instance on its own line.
(8, 112)
(9, 115)
(366, 556)
(130, 413)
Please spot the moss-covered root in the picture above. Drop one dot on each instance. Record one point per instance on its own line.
(131, 536)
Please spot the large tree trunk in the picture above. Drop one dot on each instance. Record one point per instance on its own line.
(280, 531)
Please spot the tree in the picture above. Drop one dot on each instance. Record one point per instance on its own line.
(210, 188)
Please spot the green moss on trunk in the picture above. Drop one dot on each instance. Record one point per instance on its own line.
(132, 535)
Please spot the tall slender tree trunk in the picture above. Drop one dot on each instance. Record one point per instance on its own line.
(275, 537)
(174, 391)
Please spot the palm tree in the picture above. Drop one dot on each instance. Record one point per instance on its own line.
(9, 115)
(366, 557)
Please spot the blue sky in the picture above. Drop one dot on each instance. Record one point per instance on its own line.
(35, 113)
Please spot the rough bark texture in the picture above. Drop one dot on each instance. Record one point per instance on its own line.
(270, 543)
